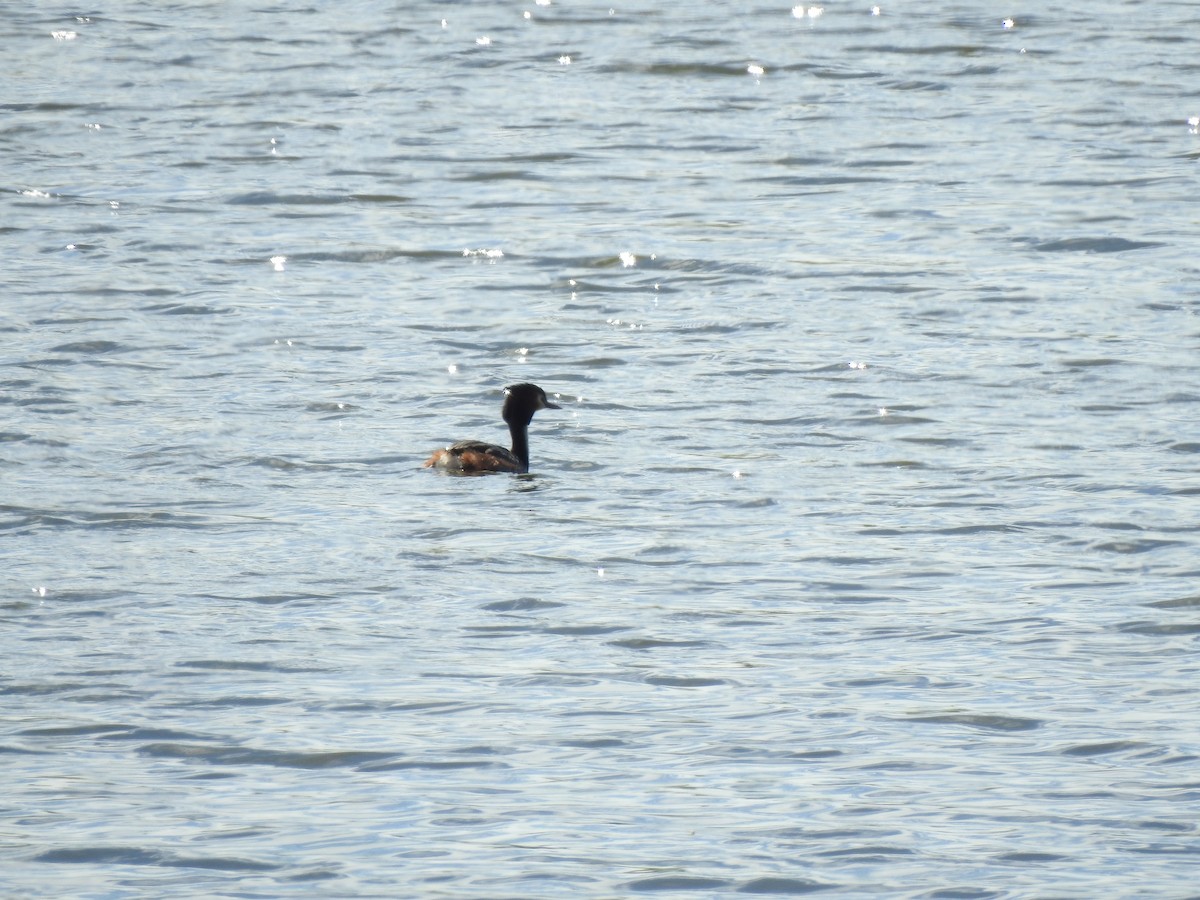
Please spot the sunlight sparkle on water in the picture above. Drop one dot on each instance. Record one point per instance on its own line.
(278, 262)
(627, 259)
(755, 69)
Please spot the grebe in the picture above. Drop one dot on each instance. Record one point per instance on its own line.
(521, 401)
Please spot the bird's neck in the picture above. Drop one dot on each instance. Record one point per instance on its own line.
(520, 443)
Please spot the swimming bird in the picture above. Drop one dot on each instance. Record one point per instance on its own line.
(521, 401)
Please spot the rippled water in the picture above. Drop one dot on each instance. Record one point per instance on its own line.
(862, 558)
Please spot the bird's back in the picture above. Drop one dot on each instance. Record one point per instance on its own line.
(474, 457)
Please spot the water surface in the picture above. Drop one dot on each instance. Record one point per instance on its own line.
(861, 559)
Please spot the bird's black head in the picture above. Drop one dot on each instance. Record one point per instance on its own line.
(521, 401)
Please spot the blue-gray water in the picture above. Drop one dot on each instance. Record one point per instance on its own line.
(862, 558)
